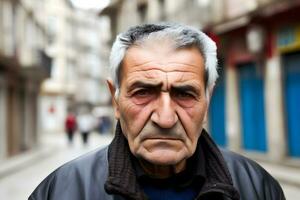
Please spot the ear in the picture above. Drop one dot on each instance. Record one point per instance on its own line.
(115, 103)
(209, 93)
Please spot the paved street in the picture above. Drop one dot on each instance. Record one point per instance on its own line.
(291, 192)
(19, 185)
(289, 176)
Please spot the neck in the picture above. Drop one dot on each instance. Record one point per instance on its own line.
(162, 171)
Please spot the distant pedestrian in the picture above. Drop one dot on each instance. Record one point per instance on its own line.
(70, 126)
(104, 124)
(86, 124)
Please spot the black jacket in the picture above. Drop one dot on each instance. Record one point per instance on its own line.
(107, 174)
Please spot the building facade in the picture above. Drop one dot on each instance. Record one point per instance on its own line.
(23, 66)
(261, 65)
(77, 78)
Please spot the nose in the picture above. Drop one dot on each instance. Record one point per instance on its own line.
(164, 114)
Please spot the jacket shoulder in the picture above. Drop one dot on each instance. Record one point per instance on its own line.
(81, 178)
(250, 179)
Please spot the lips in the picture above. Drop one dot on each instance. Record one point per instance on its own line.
(165, 137)
(161, 138)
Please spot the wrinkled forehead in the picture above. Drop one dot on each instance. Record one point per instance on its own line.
(163, 51)
(164, 80)
(162, 61)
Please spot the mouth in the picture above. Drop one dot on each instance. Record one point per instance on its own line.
(162, 138)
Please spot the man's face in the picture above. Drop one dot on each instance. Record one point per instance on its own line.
(162, 103)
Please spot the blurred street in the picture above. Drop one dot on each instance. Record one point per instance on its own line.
(19, 185)
(291, 192)
(54, 63)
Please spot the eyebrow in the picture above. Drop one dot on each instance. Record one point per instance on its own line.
(184, 88)
(140, 84)
(178, 88)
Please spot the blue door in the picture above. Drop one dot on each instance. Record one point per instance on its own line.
(291, 63)
(217, 113)
(252, 108)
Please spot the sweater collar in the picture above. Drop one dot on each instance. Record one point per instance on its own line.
(122, 177)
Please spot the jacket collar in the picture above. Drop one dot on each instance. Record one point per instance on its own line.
(218, 176)
(123, 181)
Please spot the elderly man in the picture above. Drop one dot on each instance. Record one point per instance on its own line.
(162, 80)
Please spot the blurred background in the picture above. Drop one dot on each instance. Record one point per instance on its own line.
(54, 64)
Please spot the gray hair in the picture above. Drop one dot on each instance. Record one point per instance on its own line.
(182, 36)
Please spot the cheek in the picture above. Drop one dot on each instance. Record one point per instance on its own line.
(198, 115)
(192, 120)
(133, 117)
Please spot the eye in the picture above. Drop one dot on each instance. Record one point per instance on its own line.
(185, 99)
(184, 95)
(143, 96)
(142, 92)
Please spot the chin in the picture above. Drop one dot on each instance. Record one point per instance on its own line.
(164, 157)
